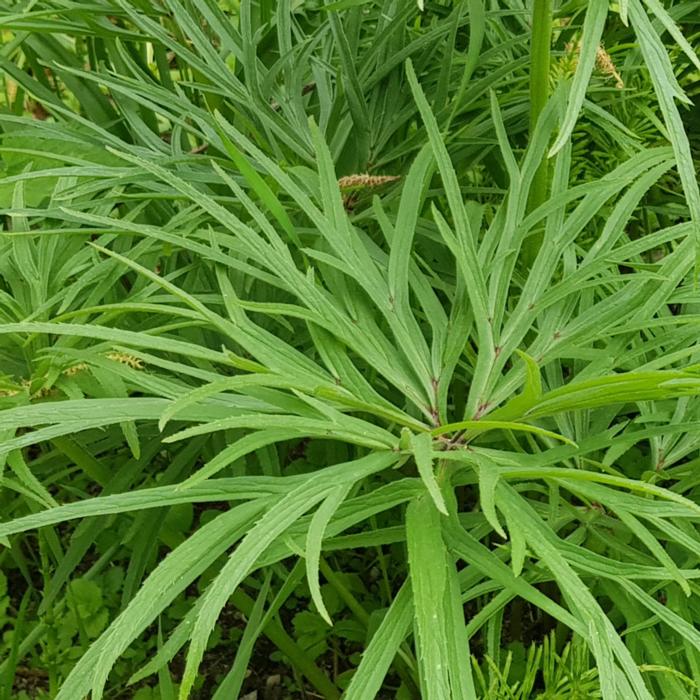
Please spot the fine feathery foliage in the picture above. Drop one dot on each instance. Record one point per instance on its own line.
(326, 278)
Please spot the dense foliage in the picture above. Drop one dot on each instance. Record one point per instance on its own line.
(350, 348)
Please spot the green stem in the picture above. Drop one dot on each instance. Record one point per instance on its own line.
(382, 565)
(344, 592)
(539, 93)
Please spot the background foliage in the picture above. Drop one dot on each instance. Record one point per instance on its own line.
(349, 348)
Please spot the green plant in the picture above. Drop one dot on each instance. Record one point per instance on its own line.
(196, 311)
(560, 675)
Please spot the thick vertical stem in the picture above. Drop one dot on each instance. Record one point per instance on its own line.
(539, 92)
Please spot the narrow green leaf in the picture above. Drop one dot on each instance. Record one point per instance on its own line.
(273, 524)
(671, 27)
(596, 13)
(261, 188)
(314, 542)
(167, 581)
(422, 448)
(488, 480)
(475, 427)
(654, 546)
(428, 568)
(376, 660)
(667, 90)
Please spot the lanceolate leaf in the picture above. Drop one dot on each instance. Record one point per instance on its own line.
(171, 577)
(596, 13)
(314, 543)
(667, 91)
(488, 480)
(271, 526)
(422, 445)
(383, 647)
(428, 568)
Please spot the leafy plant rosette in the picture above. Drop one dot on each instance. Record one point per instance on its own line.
(489, 407)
